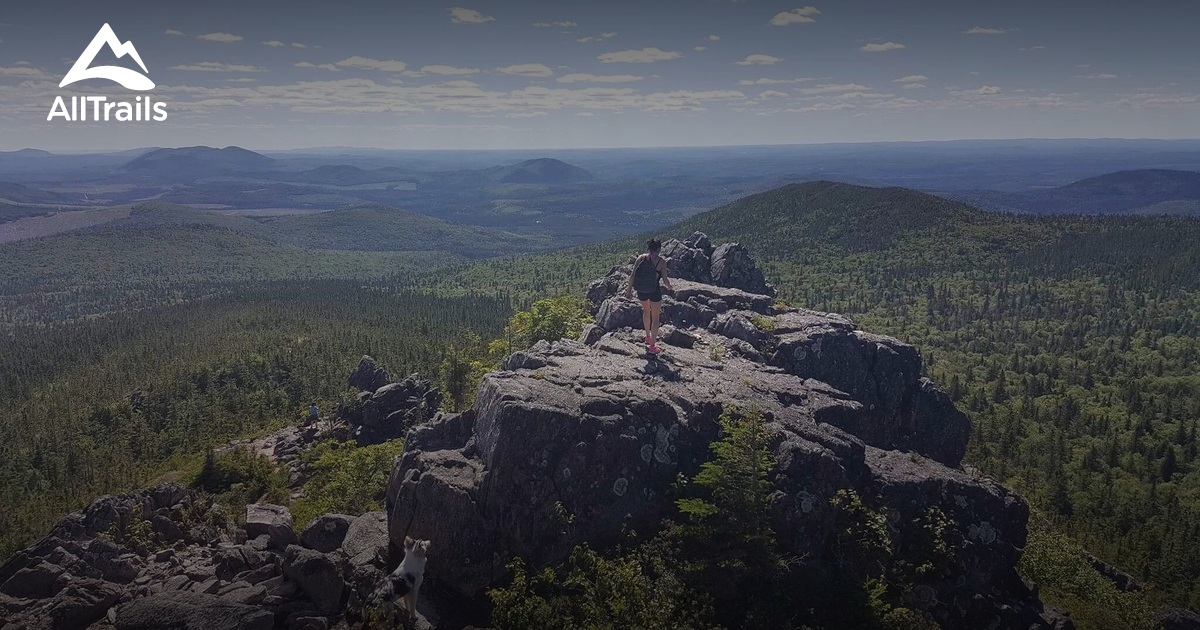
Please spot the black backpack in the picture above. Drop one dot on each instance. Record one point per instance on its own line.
(645, 275)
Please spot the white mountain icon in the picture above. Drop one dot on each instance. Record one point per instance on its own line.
(128, 78)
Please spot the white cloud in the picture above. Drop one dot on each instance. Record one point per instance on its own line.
(213, 66)
(699, 48)
(645, 55)
(759, 59)
(987, 90)
(1033, 48)
(884, 47)
(459, 15)
(912, 78)
(914, 86)
(324, 66)
(561, 24)
(23, 72)
(849, 96)
(373, 64)
(1101, 76)
(528, 70)
(582, 77)
(979, 30)
(714, 38)
(772, 94)
(243, 80)
(536, 114)
(174, 33)
(836, 88)
(766, 81)
(445, 70)
(274, 43)
(599, 38)
(224, 38)
(803, 15)
(298, 45)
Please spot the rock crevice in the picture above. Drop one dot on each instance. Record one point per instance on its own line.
(578, 440)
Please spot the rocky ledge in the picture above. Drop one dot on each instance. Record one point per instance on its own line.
(168, 557)
(593, 427)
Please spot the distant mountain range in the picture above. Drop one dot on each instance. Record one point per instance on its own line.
(1147, 191)
(539, 171)
(192, 163)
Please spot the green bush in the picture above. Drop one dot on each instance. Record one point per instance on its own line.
(631, 592)
(1066, 577)
(550, 319)
(346, 479)
(239, 477)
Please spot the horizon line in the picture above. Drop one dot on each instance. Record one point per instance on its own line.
(612, 148)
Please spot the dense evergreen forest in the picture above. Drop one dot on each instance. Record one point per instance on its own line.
(107, 403)
(1071, 342)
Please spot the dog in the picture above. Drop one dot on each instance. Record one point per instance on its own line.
(402, 586)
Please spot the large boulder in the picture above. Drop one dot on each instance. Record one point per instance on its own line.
(733, 267)
(1178, 619)
(34, 582)
(274, 521)
(317, 576)
(369, 376)
(366, 540)
(81, 602)
(686, 262)
(618, 312)
(179, 610)
(579, 443)
(394, 408)
(325, 533)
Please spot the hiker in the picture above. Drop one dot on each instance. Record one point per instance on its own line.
(314, 413)
(648, 269)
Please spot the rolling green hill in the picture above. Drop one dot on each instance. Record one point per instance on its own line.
(1145, 191)
(1070, 341)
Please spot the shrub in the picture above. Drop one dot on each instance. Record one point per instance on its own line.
(346, 478)
(239, 477)
(633, 591)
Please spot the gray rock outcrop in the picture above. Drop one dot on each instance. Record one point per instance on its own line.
(600, 432)
(387, 410)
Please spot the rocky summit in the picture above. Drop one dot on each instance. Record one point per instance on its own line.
(596, 429)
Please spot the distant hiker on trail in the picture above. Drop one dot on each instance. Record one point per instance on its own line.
(648, 269)
(314, 413)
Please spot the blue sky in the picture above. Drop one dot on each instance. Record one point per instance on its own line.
(492, 74)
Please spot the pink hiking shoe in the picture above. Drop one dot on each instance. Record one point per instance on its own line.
(653, 349)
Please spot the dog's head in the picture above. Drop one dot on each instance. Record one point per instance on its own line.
(416, 549)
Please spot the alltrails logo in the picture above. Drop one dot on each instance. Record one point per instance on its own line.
(141, 109)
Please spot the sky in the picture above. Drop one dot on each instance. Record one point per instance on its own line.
(491, 74)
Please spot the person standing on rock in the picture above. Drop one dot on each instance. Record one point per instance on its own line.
(648, 270)
(314, 413)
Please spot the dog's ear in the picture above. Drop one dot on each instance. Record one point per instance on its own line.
(409, 543)
(424, 545)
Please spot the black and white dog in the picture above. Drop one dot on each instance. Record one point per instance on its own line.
(402, 584)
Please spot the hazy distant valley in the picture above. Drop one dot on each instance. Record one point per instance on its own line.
(574, 197)
(158, 303)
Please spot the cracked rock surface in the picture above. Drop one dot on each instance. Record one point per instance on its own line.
(595, 430)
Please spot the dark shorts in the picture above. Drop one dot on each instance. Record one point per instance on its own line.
(653, 297)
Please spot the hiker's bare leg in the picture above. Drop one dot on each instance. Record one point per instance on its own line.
(655, 319)
(647, 305)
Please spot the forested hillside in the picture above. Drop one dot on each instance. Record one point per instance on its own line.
(107, 404)
(1071, 342)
